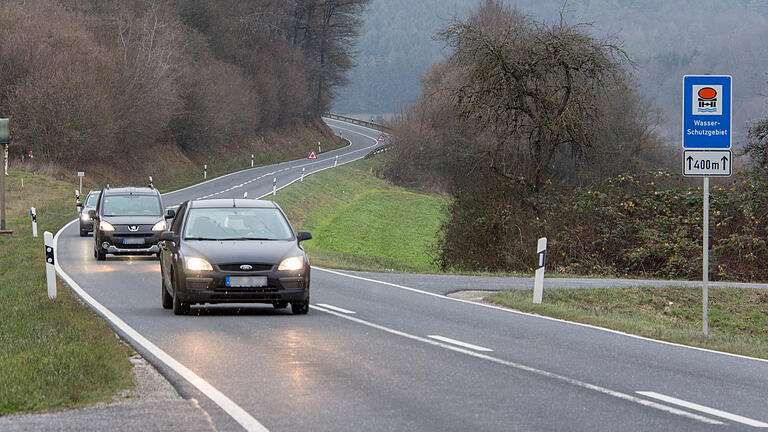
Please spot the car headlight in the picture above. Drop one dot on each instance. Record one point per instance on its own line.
(106, 226)
(160, 226)
(291, 264)
(85, 217)
(197, 264)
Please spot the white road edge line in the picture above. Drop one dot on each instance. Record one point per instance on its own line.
(517, 312)
(459, 343)
(228, 405)
(575, 382)
(704, 409)
(337, 309)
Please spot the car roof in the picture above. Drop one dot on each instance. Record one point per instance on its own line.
(232, 202)
(130, 190)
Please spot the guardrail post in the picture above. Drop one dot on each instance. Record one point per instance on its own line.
(33, 215)
(50, 269)
(538, 284)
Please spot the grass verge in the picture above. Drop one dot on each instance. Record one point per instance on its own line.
(53, 353)
(738, 317)
(361, 222)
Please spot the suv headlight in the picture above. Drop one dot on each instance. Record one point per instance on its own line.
(291, 264)
(197, 264)
(106, 226)
(160, 226)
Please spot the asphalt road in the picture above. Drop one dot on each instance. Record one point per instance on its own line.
(381, 356)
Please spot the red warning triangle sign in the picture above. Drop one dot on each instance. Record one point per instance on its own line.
(312, 155)
(381, 137)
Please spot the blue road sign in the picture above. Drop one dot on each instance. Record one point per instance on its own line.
(707, 112)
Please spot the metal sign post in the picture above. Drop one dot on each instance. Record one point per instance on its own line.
(707, 125)
(5, 139)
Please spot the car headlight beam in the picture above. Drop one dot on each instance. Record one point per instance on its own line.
(197, 264)
(160, 226)
(293, 263)
(106, 226)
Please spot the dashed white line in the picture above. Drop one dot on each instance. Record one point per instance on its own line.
(523, 367)
(704, 409)
(336, 308)
(460, 343)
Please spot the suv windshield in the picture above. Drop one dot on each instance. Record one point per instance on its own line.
(91, 200)
(233, 223)
(131, 205)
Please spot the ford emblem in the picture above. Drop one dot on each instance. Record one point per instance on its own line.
(246, 267)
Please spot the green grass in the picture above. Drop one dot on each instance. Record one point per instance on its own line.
(53, 353)
(738, 318)
(361, 222)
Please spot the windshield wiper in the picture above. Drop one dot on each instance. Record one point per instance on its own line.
(203, 238)
(245, 238)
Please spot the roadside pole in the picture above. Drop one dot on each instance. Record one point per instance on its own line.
(33, 215)
(336, 162)
(205, 171)
(705, 260)
(5, 139)
(707, 125)
(80, 175)
(251, 160)
(541, 257)
(274, 186)
(302, 174)
(50, 269)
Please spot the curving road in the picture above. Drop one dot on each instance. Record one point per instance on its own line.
(374, 355)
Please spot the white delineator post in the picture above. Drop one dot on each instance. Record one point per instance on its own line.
(50, 270)
(538, 283)
(205, 171)
(274, 186)
(302, 174)
(251, 160)
(705, 261)
(319, 149)
(336, 162)
(33, 215)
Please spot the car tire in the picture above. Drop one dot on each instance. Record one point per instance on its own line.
(167, 298)
(300, 308)
(99, 254)
(179, 307)
(280, 304)
(83, 233)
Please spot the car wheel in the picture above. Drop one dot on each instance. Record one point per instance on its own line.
(179, 307)
(167, 298)
(300, 308)
(280, 305)
(100, 255)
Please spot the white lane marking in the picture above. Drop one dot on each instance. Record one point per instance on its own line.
(517, 312)
(704, 409)
(228, 405)
(336, 308)
(522, 367)
(459, 343)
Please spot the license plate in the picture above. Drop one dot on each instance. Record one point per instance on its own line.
(133, 241)
(246, 281)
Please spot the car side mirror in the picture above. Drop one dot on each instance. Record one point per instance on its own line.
(92, 214)
(304, 235)
(170, 214)
(169, 236)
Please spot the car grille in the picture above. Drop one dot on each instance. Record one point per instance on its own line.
(236, 267)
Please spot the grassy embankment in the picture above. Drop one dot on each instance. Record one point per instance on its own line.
(360, 222)
(738, 318)
(57, 354)
(53, 353)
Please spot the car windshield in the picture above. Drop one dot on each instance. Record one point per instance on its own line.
(232, 223)
(91, 200)
(131, 205)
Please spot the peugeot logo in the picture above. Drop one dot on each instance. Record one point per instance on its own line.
(246, 267)
(133, 228)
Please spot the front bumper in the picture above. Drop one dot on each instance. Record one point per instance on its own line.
(211, 288)
(86, 225)
(121, 243)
